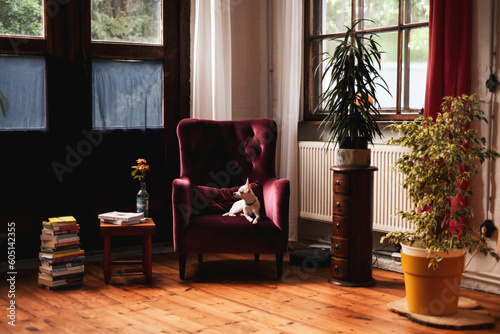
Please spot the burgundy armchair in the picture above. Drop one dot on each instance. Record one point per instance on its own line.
(216, 158)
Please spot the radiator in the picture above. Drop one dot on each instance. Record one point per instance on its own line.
(316, 180)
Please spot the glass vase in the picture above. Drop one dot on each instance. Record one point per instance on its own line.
(142, 202)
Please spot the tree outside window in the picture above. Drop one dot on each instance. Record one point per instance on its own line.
(402, 30)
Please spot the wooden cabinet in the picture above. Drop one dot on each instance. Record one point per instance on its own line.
(352, 226)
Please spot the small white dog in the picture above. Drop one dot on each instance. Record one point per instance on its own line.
(248, 204)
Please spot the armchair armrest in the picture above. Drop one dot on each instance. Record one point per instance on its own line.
(277, 201)
(182, 203)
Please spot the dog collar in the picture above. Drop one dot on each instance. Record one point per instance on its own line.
(250, 204)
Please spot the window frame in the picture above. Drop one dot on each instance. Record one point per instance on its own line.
(310, 84)
(166, 51)
(26, 45)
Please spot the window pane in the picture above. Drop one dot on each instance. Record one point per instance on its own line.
(21, 18)
(19, 75)
(127, 94)
(389, 46)
(415, 70)
(337, 15)
(128, 21)
(416, 11)
(383, 13)
(323, 48)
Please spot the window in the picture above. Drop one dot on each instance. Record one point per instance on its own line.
(19, 75)
(22, 18)
(58, 51)
(126, 94)
(127, 21)
(22, 64)
(126, 39)
(402, 27)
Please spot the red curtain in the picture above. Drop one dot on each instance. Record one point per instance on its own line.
(448, 71)
(448, 67)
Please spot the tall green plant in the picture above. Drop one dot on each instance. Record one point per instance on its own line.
(350, 98)
(443, 156)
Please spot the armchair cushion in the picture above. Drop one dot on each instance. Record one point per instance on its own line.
(211, 200)
(234, 234)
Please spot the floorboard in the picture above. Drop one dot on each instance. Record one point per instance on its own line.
(223, 294)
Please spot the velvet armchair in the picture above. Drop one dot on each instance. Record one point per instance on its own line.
(216, 158)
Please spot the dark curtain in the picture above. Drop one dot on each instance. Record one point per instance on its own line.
(448, 71)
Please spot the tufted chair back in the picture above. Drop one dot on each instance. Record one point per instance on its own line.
(225, 153)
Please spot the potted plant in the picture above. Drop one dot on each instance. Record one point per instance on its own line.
(350, 77)
(444, 154)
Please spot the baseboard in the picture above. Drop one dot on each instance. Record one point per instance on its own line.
(481, 281)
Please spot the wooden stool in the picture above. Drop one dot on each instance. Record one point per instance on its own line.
(146, 229)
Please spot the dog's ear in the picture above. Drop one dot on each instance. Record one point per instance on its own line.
(247, 184)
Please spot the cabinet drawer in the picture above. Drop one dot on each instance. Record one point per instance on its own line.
(340, 226)
(340, 247)
(341, 183)
(341, 205)
(340, 268)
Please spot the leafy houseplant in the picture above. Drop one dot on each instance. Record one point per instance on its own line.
(351, 77)
(443, 155)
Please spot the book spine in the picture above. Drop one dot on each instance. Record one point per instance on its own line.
(62, 228)
(62, 277)
(62, 271)
(62, 237)
(60, 241)
(62, 255)
(49, 261)
(61, 265)
(62, 286)
(65, 219)
(47, 231)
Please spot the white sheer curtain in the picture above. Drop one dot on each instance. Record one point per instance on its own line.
(288, 82)
(211, 67)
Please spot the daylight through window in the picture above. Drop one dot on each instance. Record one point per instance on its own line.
(22, 65)
(403, 35)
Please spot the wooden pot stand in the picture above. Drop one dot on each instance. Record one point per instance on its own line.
(465, 318)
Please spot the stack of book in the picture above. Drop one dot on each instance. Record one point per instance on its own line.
(121, 218)
(61, 257)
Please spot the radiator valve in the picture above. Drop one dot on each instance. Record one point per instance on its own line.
(487, 228)
(492, 83)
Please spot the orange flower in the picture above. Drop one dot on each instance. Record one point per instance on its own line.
(359, 102)
(140, 170)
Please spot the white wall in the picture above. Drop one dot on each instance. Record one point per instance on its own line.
(480, 71)
(249, 70)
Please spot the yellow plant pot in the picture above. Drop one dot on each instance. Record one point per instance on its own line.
(428, 291)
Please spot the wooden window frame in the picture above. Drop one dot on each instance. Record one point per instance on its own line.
(24, 45)
(169, 51)
(310, 84)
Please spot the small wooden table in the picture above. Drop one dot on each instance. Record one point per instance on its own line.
(146, 229)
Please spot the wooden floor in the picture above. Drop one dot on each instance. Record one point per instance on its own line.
(224, 294)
